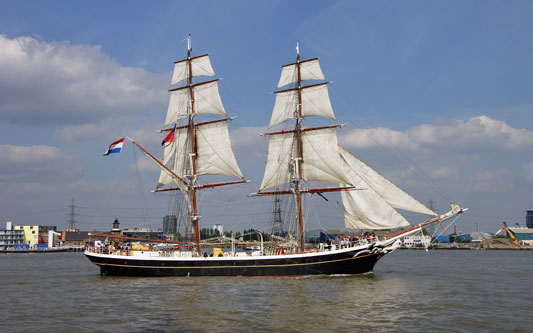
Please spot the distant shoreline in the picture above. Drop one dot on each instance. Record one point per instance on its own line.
(523, 248)
(44, 251)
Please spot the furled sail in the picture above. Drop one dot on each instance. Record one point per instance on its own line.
(214, 155)
(201, 66)
(309, 70)
(321, 158)
(315, 102)
(206, 101)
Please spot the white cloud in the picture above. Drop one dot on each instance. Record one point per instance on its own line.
(487, 180)
(477, 134)
(368, 138)
(144, 163)
(249, 146)
(74, 133)
(43, 164)
(61, 83)
(444, 172)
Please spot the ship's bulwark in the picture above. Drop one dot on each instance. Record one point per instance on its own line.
(335, 263)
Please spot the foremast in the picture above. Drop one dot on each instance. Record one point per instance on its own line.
(305, 162)
(196, 148)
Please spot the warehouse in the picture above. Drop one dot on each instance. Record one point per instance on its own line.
(524, 235)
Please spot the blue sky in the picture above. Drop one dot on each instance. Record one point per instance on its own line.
(443, 86)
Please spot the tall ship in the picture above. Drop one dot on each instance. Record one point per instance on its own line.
(297, 159)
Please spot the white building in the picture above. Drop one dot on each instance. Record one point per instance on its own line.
(10, 236)
(219, 227)
(417, 240)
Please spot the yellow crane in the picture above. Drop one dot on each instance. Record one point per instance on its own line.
(509, 232)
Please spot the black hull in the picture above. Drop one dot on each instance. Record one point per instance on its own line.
(291, 265)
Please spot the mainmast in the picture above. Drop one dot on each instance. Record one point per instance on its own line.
(297, 181)
(315, 156)
(298, 156)
(193, 177)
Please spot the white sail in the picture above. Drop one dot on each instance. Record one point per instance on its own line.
(281, 148)
(315, 102)
(390, 193)
(206, 101)
(365, 209)
(200, 66)
(309, 70)
(175, 157)
(214, 155)
(321, 158)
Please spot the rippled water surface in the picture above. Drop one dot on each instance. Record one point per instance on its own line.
(409, 291)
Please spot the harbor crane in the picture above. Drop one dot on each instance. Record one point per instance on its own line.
(509, 232)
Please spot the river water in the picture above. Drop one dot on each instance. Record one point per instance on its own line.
(456, 291)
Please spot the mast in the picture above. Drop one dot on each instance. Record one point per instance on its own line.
(192, 130)
(195, 148)
(298, 180)
(315, 156)
(298, 156)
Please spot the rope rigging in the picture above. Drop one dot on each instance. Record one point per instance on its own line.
(392, 150)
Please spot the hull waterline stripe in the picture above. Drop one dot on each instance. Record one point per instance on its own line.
(253, 266)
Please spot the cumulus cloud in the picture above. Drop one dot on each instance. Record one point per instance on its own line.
(61, 83)
(368, 138)
(444, 172)
(479, 133)
(487, 180)
(73, 133)
(41, 164)
(145, 163)
(77, 133)
(249, 146)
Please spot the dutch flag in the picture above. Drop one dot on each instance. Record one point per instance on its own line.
(115, 147)
(170, 136)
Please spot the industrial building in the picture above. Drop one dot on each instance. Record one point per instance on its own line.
(479, 236)
(523, 235)
(529, 218)
(474, 237)
(76, 238)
